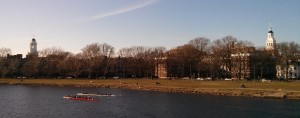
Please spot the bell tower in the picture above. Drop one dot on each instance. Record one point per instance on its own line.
(270, 42)
(33, 47)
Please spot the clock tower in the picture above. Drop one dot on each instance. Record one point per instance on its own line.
(270, 42)
(33, 47)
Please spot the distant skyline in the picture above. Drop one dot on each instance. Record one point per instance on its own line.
(73, 24)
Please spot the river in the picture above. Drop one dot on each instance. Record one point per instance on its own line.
(20, 101)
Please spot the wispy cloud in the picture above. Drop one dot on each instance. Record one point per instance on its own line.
(122, 10)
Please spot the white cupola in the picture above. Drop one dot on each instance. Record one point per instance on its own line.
(270, 42)
(33, 47)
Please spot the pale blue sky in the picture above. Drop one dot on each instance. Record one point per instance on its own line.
(72, 24)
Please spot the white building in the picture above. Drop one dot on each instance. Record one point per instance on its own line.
(33, 47)
(293, 71)
(270, 42)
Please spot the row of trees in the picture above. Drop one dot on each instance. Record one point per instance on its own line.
(95, 60)
(198, 58)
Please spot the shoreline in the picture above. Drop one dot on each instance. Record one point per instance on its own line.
(159, 86)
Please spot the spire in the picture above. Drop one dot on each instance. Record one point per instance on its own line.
(270, 26)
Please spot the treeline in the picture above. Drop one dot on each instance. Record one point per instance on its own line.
(200, 57)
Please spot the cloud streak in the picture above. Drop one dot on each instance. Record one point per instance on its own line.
(123, 10)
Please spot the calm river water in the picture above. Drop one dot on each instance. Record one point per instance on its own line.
(18, 101)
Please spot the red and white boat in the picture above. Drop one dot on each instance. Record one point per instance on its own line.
(96, 94)
(80, 98)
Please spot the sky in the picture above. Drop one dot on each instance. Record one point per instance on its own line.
(73, 24)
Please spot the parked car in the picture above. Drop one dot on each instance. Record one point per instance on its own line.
(265, 80)
(199, 78)
(116, 77)
(69, 77)
(228, 79)
(186, 78)
(208, 78)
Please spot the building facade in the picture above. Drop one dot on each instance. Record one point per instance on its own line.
(161, 68)
(241, 62)
(293, 71)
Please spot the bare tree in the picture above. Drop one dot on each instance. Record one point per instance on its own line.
(265, 63)
(94, 55)
(149, 59)
(184, 59)
(107, 52)
(31, 67)
(243, 43)
(125, 52)
(133, 60)
(3, 64)
(73, 65)
(4, 52)
(52, 60)
(62, 63)
(288, 52)
(202, 44)
(51, 51)
(140, 60)
(221, 51)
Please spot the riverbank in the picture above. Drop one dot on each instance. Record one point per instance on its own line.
(281, 90)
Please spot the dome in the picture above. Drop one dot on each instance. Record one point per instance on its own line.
(270, 31)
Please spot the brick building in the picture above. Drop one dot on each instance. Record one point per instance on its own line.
(242, 62)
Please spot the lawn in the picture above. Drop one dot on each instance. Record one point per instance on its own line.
(189, 84)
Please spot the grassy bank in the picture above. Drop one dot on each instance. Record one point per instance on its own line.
(289, 90)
